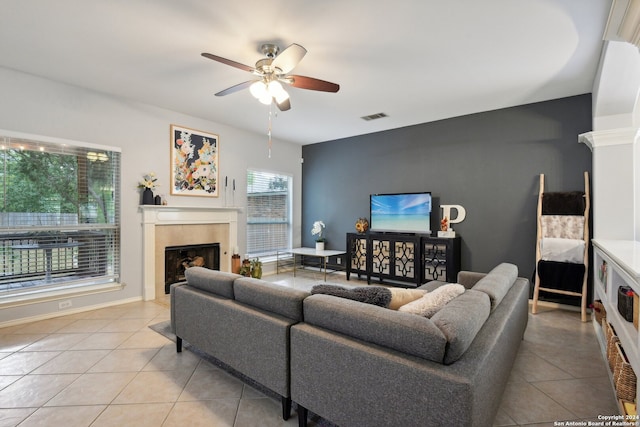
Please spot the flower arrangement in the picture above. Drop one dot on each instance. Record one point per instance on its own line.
(444, 224)
(148, 181)
(318, 230)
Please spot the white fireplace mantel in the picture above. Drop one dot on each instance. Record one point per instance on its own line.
(158, 215)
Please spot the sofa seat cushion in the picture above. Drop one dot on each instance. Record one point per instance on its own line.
(376, 295)
(433, 301)
(213, 281)
(460, 320)
(402, 296)
(497, 283)
(404, 332)
(270, 297)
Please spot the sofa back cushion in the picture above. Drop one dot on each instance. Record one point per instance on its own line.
(497, 283)
(270, 297)
(213, 281)
(403, 332)
(460, 320)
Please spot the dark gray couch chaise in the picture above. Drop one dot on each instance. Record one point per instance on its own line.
(240, 321)
(362, 365)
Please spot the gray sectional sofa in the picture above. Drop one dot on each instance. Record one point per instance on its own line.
(358, 364)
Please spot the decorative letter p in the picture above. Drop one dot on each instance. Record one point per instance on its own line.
(460, 211)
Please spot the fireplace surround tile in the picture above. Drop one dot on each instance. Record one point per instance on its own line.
(179, 226)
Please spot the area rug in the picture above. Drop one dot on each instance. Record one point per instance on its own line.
(164, 329)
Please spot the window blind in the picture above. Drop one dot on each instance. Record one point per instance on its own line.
(268, 213)
(59, 215)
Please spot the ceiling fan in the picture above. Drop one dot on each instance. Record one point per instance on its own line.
(271, 72)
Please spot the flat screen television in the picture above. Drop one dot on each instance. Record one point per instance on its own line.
(401, 213)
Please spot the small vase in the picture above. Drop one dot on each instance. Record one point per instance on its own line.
(235, 263)
(319, 246)
(147, 197)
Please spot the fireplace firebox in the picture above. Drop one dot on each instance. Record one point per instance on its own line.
(177, 259)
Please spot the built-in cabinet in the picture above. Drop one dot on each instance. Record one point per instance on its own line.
(616, 222)
(405, 259)
(617, 264)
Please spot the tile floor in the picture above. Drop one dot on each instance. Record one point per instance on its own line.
(107, 368)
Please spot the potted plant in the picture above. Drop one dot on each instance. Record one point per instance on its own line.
(318, 230)
(148, 184)
(251, 268)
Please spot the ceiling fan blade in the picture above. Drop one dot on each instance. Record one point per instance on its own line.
(310, 83)
(284, 105)
(235, 88)
(289, 58)
(229, 62)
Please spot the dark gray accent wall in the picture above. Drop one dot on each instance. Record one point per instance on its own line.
(487, 162)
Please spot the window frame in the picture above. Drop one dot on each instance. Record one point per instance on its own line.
(288, 222)
(108, 281)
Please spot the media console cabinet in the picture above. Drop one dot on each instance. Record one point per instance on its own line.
(404, 259)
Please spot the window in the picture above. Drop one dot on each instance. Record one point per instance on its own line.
(59, 216)
(268, 213)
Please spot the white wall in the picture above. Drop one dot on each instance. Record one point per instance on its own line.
(614, 141)
(38, 106)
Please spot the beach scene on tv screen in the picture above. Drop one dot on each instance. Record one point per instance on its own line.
(401, 212)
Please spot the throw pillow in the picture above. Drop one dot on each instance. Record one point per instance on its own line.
(433, 301)
(402, 296)
(375, 295)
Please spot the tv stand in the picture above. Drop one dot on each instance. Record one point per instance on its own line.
(405, 259)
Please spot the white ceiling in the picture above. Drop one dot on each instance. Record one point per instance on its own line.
(415, 60)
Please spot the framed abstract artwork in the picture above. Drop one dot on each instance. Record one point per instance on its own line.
(194, 162)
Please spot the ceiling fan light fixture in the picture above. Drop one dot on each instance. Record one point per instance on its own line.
(281, 97)
(266, 92)
(258, 89)
(277, 91)
(275, 88)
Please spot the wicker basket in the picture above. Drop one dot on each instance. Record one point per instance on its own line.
(599, 311)
(611, 338)
(623, 376)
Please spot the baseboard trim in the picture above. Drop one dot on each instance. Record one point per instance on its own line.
(77, 310)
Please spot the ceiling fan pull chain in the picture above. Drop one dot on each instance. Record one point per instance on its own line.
(269, 128)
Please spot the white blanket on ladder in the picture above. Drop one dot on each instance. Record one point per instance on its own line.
(562, 226)
(562, 250)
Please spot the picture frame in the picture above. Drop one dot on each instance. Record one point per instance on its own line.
(194, 162)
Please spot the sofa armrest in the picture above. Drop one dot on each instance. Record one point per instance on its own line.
(172, 303)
